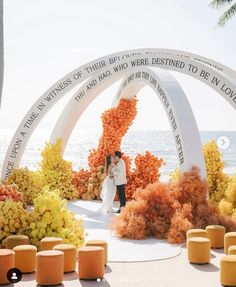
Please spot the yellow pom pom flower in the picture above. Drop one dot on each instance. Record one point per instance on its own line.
(13, 219)
(50, 217)
(57, 172)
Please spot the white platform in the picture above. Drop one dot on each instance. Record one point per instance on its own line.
(120, 250)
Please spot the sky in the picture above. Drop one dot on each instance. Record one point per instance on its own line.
(46, 39)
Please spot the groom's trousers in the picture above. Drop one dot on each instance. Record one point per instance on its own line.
(121, 194)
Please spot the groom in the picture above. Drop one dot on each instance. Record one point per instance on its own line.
(120, 178)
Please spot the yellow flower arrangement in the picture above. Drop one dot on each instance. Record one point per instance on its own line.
(13, 219)
(228, 204)
(57, 173)
(217, 180)
(30, 183)
(50, 217)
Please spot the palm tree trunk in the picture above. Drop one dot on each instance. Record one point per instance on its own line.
(1, 50)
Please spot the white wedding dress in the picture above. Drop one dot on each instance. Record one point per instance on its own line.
(107, 195)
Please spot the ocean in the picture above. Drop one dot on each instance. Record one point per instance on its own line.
(160, 143)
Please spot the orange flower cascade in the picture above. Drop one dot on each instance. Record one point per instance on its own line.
(116, 122)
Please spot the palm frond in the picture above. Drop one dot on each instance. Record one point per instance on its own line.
(228, 14)
(220, 3)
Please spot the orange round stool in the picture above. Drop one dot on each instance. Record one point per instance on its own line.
(197, 233)
(199, 250)
(48, 243)
(216, 235)
(232, 250)
(100, 243)
(70, 253)
(25, 258)
(49, 267)
(7, 261)
(227, 270)
(91, 262)
(230, 239)
(15, 240)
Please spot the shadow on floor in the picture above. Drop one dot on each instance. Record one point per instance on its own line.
(220, 251)
(206, 267)
(89, 283)
(107, 269)
(71, 276)
(28, 277)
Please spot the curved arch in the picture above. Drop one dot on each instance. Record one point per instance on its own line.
(215, 75)
(173, 99)
(178, 110)
(75, 108)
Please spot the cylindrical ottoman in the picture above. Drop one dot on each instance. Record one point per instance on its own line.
(196, 233)
(7, 261)
(70, 253)
(91, 262)
(48, 243)
(15, 240)
(227, 270)
(230, 239)
(232, 250)
(100, 243)
(49, 267)
(199, 250)
(25, 258)
(216, 235)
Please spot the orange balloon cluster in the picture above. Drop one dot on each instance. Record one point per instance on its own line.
(169, 210)
(116, 122)
(146, 171)
(10, 192)
(80, 180)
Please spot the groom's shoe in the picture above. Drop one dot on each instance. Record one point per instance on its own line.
(117, 211)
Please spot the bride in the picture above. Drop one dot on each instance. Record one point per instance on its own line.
(108, 191)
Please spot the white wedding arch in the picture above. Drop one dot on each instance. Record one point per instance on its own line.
(172, 97)
(217, 76)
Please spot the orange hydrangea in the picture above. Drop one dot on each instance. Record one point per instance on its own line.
(80, 180)
(146, 171)
(10, 192)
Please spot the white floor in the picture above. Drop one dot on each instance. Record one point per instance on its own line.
(120, 250)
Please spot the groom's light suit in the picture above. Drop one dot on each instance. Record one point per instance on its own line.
(120, 180)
